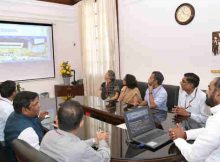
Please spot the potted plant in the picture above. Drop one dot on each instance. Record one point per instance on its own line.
(65, 71)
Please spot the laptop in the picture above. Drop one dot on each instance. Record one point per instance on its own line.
(141, 128)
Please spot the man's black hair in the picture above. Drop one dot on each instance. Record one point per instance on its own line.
(158, 76)
(23, 99)
(192, 78)
(69, 115)
(7, 88)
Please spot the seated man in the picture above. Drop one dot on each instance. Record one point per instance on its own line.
(156, 97)
(64, 145)
(191, 101)
(8, 92)
(206, 146)
(24, 123)
(110, 88)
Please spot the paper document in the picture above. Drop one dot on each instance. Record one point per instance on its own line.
(122, 126)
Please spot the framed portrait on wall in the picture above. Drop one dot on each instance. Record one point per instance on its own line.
(216, 43)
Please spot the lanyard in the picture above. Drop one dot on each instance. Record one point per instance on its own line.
(186, 107)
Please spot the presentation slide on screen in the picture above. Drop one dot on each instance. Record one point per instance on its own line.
(20, 43)
(26, 51)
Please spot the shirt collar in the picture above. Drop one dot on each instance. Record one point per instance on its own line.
(6, 100)
(59, 131)
(157, 89)
(215, 109)
(193, 93)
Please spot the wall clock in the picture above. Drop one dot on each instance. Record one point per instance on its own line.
(184, 13)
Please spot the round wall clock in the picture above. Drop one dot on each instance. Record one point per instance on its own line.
(184, 13)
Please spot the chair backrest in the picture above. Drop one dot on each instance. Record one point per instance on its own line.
(26, 153)
(142, 86)
(173, 95)
(120, 83)
(3, 157)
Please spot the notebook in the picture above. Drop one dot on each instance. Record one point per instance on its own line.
(141, 128)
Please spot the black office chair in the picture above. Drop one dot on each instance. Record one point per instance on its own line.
(26, 153)
(3, 157)
(173, 95)
(142, 86)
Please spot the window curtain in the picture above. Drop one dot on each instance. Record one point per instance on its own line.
(99, 42)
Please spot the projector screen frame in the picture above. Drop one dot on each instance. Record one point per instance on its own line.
(52, 43)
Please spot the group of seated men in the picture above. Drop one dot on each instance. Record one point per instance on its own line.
(20, 118)
(191, 102)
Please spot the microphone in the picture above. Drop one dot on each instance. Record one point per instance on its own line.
(74, 77)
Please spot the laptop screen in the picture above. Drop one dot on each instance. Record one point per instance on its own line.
(139, 121)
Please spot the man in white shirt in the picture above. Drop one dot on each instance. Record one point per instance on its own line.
(206, 147)
(24, 123)
(8, 92)
(191, 101)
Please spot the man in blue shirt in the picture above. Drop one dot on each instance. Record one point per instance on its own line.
(156, 97)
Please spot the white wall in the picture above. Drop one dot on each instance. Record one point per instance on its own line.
(66, 32)
(151, 39)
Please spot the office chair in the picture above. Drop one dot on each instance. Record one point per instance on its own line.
(26, 153)
(3, 157)
(173, 95)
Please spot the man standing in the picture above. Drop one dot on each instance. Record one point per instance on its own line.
(24, 123)
(64, 145)
(156, 97)
(207, 142)
(8, 92)
(191, 101)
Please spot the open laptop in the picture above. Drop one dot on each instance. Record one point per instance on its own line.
(141, 128)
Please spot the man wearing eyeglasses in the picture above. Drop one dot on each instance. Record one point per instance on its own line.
(206, 147)
(191, 101)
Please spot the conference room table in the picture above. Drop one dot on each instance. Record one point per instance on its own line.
(105, 115)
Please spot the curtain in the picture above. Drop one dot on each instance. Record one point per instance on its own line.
(99, 42)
